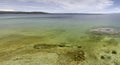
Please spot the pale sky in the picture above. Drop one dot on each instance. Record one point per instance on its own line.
(62, 6)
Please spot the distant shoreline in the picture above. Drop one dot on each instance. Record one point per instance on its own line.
(22, 12)
(18, 12)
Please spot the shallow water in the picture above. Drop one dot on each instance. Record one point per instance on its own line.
(61, 37)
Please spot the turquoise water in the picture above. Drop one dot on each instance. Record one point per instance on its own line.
(25, 30)
(68, 22)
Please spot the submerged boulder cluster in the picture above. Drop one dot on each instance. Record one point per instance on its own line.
(105, 30)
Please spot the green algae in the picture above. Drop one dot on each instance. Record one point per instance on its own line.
(111, 41)
(70, 49)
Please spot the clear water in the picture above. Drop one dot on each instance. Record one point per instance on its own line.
(21, 30)
(67, 22)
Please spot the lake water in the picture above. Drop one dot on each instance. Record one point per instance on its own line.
(57, 33)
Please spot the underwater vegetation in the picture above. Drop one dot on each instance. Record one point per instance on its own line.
(63, 51)
(90, 48)
(112, 41)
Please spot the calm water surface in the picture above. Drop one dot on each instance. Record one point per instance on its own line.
(40, 22)
(20, 32)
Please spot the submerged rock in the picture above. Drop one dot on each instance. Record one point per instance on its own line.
(44, 46)
(105, 30)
